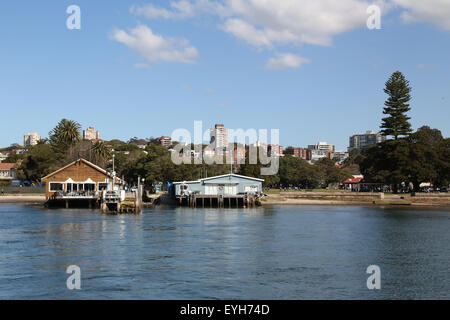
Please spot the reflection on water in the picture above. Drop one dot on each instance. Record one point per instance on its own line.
(284, 252)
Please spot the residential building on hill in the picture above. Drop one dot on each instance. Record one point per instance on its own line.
(316, 154)
(164, 141)
(3, 156)
(360, 141)
(341, 156)
(31, 139)
(323, 146)
(275, 149)
(219, 137)
(301, 153)
(91, 134)
(7, 172)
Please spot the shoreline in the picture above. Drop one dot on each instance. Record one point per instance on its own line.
(300, 202)
(22, 199)
(40, 199)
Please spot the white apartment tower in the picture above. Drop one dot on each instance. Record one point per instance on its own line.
(31, 139)
(91, 134)
(219, 137)
(322, 146)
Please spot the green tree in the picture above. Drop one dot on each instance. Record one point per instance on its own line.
(443, 168)
(39, 161)
(396, 106)
(330, 173)
(423, 155)
(65, 135)
(387, 162)
(101, 153)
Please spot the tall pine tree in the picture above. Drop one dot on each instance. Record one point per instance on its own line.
(396, 106)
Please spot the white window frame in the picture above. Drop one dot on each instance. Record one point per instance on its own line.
(50, 186)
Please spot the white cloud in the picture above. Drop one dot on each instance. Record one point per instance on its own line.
(266, 23)
(296, 22)
(245, 31)
(285, 61)
(154, 47)
(181, 9)
(432, 11)
(271, 24)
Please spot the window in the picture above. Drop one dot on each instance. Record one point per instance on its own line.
(232, 190)
(251, 189)
(211, 190)
(89, 186)
(56, 186)
(102, 186)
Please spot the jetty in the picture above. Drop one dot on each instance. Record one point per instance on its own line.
(121, 201)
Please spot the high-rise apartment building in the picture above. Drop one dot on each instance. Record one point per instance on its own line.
(31, 139)
(91, 134)
(219, 137)
(340, 156)
(317, 154)
(322, 146)
(301, 153)
(360, 141)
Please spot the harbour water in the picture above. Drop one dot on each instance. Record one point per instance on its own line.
(283, 252)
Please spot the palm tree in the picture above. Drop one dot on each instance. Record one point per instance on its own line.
(67, 132)
(101, 152)
(65, 135)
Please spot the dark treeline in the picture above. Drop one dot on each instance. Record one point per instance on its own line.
(153, 163)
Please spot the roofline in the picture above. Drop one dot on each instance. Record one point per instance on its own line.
(232, 174)
(180, 182)
(221, 176)
(86, 162)
(7, 164)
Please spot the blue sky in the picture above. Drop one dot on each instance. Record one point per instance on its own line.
(151, 69)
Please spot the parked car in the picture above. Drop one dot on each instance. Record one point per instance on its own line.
(444, 189)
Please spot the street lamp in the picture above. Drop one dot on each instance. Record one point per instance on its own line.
(113, 172)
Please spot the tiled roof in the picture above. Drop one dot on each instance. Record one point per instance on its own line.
(6, 166)
(353, 180)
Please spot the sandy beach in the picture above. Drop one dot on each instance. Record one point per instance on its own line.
(309, 202)
(21, 198)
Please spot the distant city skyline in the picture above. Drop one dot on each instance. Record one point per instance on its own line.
(91, 134)
(220, 68)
